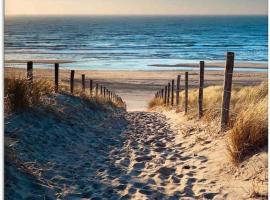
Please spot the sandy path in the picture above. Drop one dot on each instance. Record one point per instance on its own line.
(105, 156)
(158, 166)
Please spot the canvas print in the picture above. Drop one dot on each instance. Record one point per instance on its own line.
(145, 99)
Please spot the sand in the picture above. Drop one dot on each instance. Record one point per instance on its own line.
(66, 149)
(215, 64)
(206, 149)
(137, 88)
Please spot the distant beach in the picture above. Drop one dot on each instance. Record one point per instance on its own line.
(138, 87)
(241, 66)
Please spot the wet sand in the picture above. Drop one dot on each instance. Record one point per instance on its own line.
(254, 65)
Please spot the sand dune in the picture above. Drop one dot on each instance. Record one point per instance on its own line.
(67, 149)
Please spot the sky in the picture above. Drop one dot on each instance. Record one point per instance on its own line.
(136, 7)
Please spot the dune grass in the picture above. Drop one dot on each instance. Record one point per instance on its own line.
(20, 94)
(248, 125)
(155, 102)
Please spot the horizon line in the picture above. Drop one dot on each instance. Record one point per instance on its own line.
(131, 15)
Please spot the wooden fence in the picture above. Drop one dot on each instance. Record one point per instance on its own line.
(165, 93)
(104, 92)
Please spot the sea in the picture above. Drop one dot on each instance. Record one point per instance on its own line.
(135, 42)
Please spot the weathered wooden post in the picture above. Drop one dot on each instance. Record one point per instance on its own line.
(101, 89)
(72, 73)
(168, 93)
(91, 87)
(56, 77)
(227, 90)
(165, 94)
(107, 93)
(172, 98)
(178, 89)
(104, 92)
(83, 82)
(186, 92)
(162, 94)
(96, 89)
(30, 71)
(200, 97)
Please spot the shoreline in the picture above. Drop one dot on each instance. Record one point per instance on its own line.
(185, 65)
(254, 65)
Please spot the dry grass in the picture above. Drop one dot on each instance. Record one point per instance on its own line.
(99, 102)
(20, 95)
(155, 102)
(65, 87)
(249, 133)
(248, 126)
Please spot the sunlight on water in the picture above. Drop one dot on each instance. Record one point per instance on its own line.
(135, 43)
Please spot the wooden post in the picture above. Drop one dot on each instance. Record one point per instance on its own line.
(165, 95)
(56, 77)
(72, 73)
(227, 91)
(96, 89)
(101, 90)
(178, 89)
(91, 87)
(186, 92)
(172, 98)
(30, 71)
(162, 94)
(200, 97)
(104, 92)
(83, 82)
(168, 93)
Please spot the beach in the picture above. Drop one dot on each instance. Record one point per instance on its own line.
(137, 88)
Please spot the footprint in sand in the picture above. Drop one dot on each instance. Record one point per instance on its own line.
(166, 171)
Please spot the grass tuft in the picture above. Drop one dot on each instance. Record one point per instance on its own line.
(249, 133)
(155, 102)
(20, 95)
